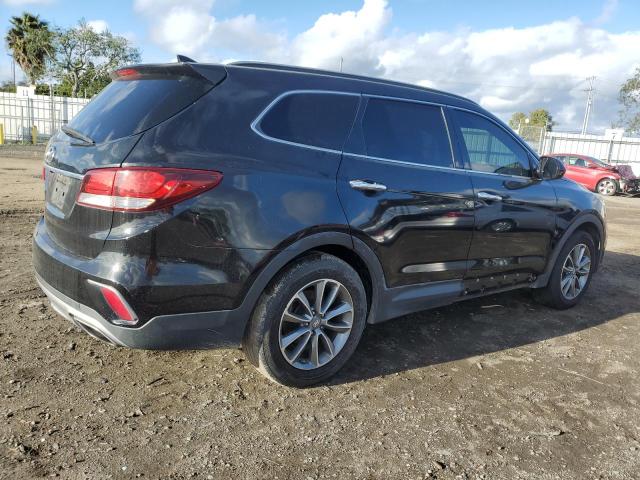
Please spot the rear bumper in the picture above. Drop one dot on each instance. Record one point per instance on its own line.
(165, 332)
(66, 280)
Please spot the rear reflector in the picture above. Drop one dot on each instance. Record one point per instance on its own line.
(139, 189)
(124, 315)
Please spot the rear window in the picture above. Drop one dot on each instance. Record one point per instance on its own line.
(315, 119)
(406, 131)
(126, 107)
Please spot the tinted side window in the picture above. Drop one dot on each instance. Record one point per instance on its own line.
(406, 131)
(315, 119)
(490, 148)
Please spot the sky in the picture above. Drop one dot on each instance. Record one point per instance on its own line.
(506, 55)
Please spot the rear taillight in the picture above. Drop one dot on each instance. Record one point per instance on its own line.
(139, 189)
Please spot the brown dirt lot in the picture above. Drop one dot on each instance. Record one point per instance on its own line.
(491, 388)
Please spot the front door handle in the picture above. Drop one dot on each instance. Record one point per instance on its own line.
(367, 186)
(489, 196)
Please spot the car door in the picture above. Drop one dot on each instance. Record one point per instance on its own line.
(403, 195)
(515, 211)
(580, 171)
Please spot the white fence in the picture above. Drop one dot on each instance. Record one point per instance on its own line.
(19, 113)
(622, 150)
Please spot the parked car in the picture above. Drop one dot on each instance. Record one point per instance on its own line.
(283, 208)
(598, 176)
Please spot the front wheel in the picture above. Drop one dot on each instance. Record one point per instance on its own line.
(571, 275)
(308, 322)
(607, 187)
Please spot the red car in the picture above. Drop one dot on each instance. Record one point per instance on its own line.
(592, 173)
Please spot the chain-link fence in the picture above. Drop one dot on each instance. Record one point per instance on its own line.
(19, 114)
(533, 135)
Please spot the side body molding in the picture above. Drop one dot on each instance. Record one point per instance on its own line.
(386, 303)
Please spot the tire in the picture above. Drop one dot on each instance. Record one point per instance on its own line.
(607, 187)
(559, 293)
(298, 364)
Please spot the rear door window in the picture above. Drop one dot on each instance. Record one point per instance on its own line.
(313, 119)
(489, 148)
(406, 131)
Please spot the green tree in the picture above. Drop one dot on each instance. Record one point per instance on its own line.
(629, 97)
(29, 40)
(83, 58)
(537, 118)
(517, 119)
(7, 87)
(541, 118)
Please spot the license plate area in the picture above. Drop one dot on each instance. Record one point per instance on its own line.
(60, 190)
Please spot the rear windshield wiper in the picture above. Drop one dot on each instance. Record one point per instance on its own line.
(77, 135)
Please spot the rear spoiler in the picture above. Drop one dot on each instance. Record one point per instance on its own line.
(211, 73)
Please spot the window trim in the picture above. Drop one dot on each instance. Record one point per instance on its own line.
(458, 163)
(255, 125)
(467, 165)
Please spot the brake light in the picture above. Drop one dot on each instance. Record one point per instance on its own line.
(127, 73)
(139, 189)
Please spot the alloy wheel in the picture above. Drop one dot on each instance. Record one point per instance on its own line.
(575, 271)
(316, 324)
(607, 187)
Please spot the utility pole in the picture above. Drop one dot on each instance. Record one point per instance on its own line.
(587, 112)
(341, 61)
(13, 68)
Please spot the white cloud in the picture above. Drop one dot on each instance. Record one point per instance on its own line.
(504, 69)
(350, 35)
(178, 26)
(98, 26)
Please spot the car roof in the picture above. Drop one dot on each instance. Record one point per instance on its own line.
(349, 77)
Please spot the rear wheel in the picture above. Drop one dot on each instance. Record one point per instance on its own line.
(571, 275)
(607, 186)
(308, 322)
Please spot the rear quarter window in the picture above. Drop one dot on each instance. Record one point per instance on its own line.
(127, 107)
(314, 119)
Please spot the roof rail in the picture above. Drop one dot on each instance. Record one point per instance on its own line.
(317, 71)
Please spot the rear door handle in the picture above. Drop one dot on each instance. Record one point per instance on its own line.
(367, 186)
(489, 196)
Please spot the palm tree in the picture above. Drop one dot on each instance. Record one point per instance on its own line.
(29, 39)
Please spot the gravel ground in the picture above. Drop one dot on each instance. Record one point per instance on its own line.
(491, 388)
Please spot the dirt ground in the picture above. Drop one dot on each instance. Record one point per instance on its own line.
(491, 388)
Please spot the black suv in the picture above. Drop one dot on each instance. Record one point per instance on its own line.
(282, 208)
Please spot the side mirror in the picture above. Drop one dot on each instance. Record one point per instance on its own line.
(550, 168)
